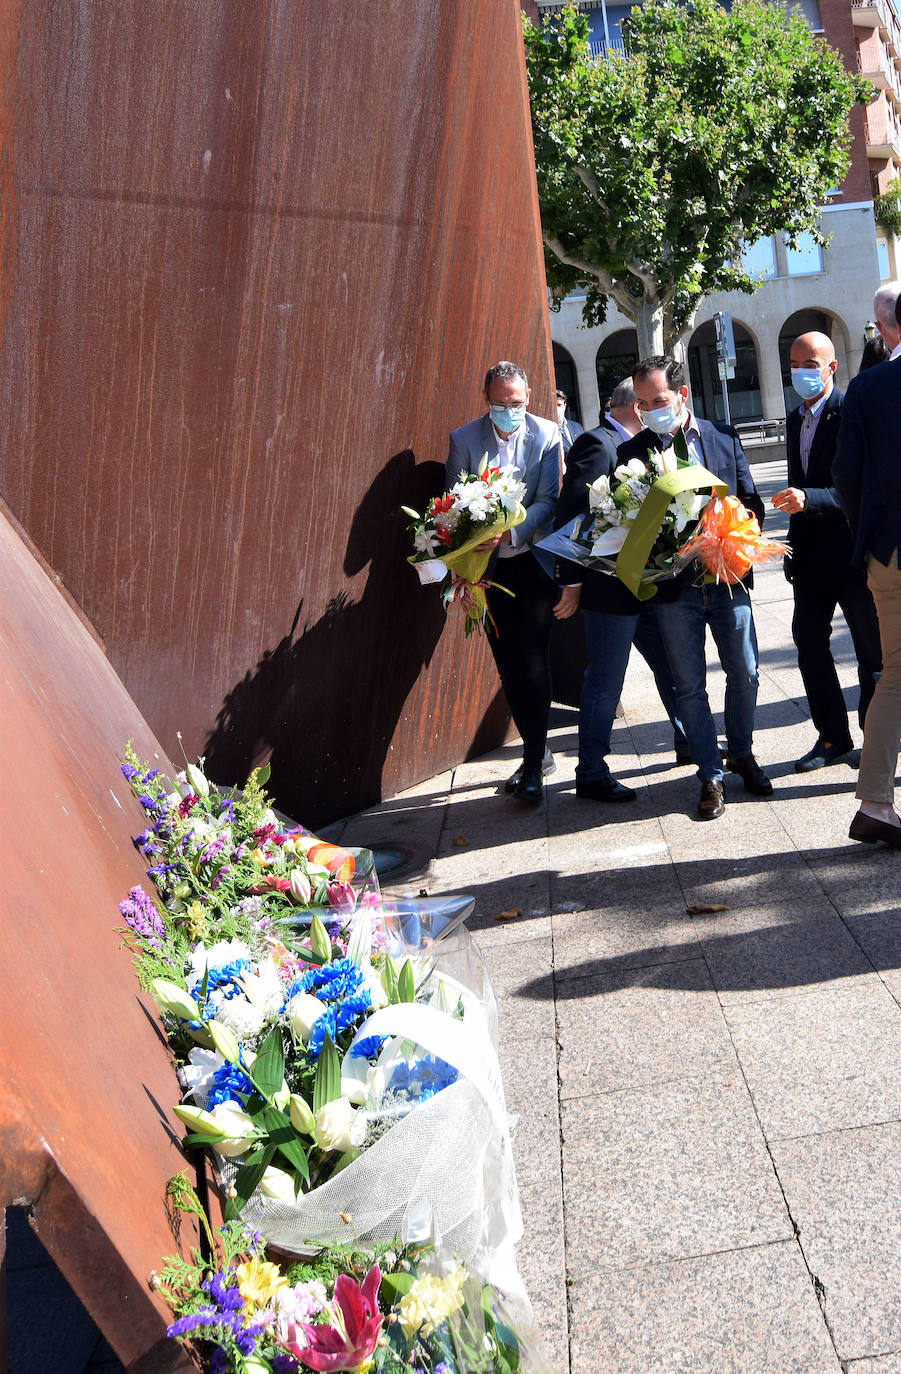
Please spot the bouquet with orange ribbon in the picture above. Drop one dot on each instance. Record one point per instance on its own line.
(728, 541)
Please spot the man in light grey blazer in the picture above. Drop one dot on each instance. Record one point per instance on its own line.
(520, 636)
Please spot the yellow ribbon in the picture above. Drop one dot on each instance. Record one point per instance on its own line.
(635, 552)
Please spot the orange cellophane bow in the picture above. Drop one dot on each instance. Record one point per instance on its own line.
(729, 542)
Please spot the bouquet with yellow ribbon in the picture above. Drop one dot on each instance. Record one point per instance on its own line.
(447, 537)
(639, 521)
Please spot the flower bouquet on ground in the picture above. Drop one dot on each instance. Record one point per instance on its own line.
(335, 1050)
(385, 1310)
(728, 542)
(446, 538)
(639, 521)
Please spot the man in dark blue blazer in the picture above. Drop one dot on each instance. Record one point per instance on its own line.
(867, 475)
(614, 618)
(661, 396)
(820, 566)
(569, 429)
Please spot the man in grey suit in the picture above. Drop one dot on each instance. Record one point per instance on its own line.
(520, 635)
(867, 477)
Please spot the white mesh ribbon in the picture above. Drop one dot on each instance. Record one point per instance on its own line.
(449, 1159)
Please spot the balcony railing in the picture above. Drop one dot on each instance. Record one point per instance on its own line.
(599, 49)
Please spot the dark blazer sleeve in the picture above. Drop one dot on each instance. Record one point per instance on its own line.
(592, 455)
(847, 465)
(744, 482)
(822, 498)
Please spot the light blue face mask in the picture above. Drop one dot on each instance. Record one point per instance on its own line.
(807, 382)
(664, 420)
(507, 418)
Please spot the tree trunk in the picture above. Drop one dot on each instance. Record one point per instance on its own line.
(649, 327)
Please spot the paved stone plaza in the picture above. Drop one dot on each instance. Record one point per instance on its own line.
(708, 1106)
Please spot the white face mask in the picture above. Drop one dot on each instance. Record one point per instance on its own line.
(664, 420)
(561, 412)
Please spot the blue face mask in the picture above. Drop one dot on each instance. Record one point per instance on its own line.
(507, 418)
(664, 420)
(807, 382)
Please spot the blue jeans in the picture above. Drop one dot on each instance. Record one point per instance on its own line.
(683, 628)
(609, 640)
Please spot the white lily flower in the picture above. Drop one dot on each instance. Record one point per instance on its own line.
(609, 542)
(598, 492)
(196, 1077)
(278, 1185)
(263, 987)
(240, 1129)
(303, 1011)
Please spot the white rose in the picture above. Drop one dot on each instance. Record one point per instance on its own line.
(239, 1127)
(278, 1185)
(304, 1010)
(333, 1125)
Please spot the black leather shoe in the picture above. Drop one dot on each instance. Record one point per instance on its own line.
(870, 830)
(822, 754)
(548, 766)
(605, 789)
(712, 801)
(530, 787)
(752, 775)
(683, 760)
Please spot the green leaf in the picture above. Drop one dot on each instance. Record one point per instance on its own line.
(406, 987)
(397, 1284)
(327, 1087)
(269, 1066)
(246, 1180)
(281, 1133)
(389, 978)
(264, 774)
(319, 940)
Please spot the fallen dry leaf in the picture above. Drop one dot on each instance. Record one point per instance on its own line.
(423, 892)
(510, 915)
(702, 908)
(461, 841)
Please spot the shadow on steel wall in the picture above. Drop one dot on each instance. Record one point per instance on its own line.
(311, 698)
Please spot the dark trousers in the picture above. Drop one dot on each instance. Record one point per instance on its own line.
(521, 646)
(816, 598)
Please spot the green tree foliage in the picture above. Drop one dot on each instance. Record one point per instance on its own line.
(713, 129)
(887, 207)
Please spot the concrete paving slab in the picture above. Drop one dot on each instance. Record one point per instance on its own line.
(543, 1268)
(666, 1172)
(641, 1027)
(823, 1061)
(745, 1310)
(748, 962)
(590, 943)
(842, 1190)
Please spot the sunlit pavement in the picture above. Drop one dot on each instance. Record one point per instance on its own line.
(700, 1034)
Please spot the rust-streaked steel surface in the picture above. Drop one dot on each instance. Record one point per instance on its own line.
(256, 258)
(86, 1131)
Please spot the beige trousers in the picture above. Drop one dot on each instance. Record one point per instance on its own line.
(882, 731)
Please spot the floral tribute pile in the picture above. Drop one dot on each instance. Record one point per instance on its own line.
(446, 538)
(336, 1057)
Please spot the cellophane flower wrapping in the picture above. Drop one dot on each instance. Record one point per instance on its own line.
(728, 541)
(477, 508)
(435, 1084)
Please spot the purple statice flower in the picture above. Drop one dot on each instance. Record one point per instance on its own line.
(144, 844)
(129, 770)
(333, 928)
(148, 802)
(150, 775)
(284, 1364)
(226, 804)
(213, 848)
(207, 1316)
(142, 916)
(160, 870)
(217, 878)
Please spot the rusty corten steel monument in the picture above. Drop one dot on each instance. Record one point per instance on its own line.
(255, 260)
(87, 1137)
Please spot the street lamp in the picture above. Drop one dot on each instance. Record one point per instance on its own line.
(869, 331)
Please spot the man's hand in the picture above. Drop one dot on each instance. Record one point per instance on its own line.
(792, 500)
(489, 545)
(568, 603)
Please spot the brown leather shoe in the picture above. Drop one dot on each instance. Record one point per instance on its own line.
(869, 830)
(712, 801)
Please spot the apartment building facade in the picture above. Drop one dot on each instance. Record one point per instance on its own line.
(808, 287)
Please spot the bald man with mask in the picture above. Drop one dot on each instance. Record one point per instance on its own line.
(820, 565)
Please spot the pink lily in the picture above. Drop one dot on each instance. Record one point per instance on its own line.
(352, 1338)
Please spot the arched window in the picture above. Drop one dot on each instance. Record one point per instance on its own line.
(707, 384)
(566, 380)
(616, 358)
